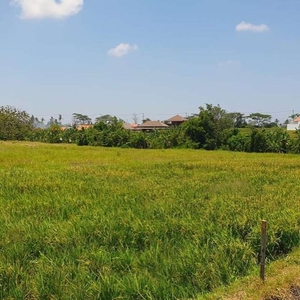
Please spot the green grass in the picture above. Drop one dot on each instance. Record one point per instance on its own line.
(95, 223)
(247, 131)
(282, 283)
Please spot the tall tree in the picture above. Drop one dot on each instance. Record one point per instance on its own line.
(238, 119)
(107, 119)
(15, 124)
(50, 122)
(81, 119)
(209, 128)
(259, 120)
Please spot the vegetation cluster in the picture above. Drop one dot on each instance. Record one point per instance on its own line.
(212, 128)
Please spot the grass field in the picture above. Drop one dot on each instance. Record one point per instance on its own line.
(104, 223)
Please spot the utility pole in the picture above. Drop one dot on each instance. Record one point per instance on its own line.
(263, 249)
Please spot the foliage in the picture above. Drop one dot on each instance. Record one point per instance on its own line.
(14, 123)
(258, 141)
(295, 143)
(238, 119)
(208, 128)
(259, 120)
(213, 128)
(112, 134)
(239, 142)
(195, 131)
(138, 140)
(277, 140)
(107, 119)
(81, 119)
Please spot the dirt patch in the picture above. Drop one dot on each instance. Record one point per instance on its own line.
(295, 291)
(286, 294)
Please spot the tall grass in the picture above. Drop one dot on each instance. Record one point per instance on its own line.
(93, 223)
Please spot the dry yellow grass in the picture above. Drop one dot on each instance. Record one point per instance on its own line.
(282, 283)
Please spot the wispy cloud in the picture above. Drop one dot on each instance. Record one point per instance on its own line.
(229, 63)
(243, 26)
(39, 9)
(122, 50)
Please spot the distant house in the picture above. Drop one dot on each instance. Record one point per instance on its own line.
(295, 124)
(63, 128)
(129, 126)
(176, 120)
(84, 126)
(151, 125)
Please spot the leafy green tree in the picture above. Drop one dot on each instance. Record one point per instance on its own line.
(209, 128)
(107, 119)
(238, 119)
(55, 134)
(259, 120)
(294, 116)
(82, 138)
(112, 134)
(239, 142)
(81, 119)
(258, 141)
(271, 125)
(195, 132)
(15, 124)
(138, 140)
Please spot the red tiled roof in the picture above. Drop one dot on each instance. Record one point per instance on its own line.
(129, 126)
(297, 119)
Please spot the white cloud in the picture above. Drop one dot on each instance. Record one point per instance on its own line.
(250, 27)
(229, 63)
(121, 50)
(39, 9)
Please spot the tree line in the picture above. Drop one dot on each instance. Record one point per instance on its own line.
(212, 128)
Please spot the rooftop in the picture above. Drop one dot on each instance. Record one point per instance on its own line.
(153, 124)
(177, 118)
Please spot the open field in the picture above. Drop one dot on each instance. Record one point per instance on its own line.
(105, 223)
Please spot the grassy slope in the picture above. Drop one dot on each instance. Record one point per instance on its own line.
(88, 223)
(282, 283)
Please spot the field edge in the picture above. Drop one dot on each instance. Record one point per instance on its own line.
(282, 283)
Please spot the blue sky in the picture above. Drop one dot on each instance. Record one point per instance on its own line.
(156, 58)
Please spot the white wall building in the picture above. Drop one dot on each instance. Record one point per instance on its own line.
(295, 124)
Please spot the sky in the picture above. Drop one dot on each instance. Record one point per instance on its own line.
(150, 58)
